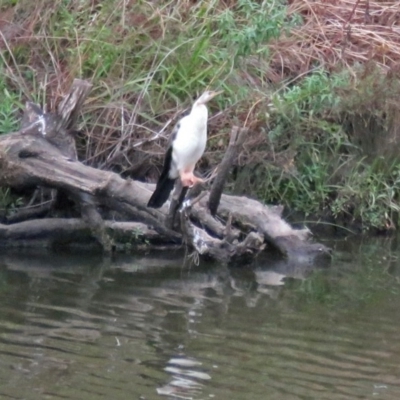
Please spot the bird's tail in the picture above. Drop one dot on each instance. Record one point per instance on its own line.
(164, 187)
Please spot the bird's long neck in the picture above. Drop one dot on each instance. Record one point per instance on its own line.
(199, 115)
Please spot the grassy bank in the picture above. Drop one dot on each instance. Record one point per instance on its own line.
(318, 89)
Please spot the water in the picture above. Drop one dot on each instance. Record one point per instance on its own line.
(80, 327)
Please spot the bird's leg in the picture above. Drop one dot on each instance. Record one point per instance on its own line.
(196, 180)
(188, 179)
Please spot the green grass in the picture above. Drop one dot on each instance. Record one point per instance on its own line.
(9, 202)
(316, 138)
(9, 108)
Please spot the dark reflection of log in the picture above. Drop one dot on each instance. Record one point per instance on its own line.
(37, 261)
(85, 299)
(190, 283)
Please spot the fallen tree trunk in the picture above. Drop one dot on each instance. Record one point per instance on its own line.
(48, 232)
(240, 230)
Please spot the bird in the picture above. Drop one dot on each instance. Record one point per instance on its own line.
(186, 146)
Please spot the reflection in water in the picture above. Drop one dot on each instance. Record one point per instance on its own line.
(186, 379)
(84, 327)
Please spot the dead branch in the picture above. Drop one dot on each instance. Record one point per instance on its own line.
(178, 196)
(51, 231)
(26, 213)
(236, 140)
(252, 215)
(41, 155)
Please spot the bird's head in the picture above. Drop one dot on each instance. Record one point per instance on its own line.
(207, 96)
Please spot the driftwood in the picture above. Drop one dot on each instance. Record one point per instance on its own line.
(43, 154)
(235, 142)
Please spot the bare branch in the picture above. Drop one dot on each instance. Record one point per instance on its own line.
(236, 140)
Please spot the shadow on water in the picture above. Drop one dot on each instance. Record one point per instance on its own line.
(78, 326)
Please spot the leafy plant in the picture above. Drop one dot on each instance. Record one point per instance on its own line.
(9, 109)
(8, 201)
(247, 28)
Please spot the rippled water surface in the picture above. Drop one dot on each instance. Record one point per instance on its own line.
(81, 327)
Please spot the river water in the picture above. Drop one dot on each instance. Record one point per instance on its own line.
(152, 327)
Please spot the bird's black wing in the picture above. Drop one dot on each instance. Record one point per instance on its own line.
(165, 184)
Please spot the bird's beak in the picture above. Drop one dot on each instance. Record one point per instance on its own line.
(213, 94)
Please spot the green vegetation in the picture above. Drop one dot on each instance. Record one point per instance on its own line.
(8, 109)
(344, 165)
(8, 201)
(323, 125)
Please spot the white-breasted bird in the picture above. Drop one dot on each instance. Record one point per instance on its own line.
(186, 146)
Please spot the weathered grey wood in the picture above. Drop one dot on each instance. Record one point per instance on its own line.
(252, 215)
(235, 142)
(43, 165)
(202, 216)
(57, 128)
(178, 196)
(91, 216)
(43, 154)
(153, 218)
(33, 212)
(71, 105)
(221, 249)
(49, 231)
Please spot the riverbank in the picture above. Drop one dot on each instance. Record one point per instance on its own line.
(317, 88)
